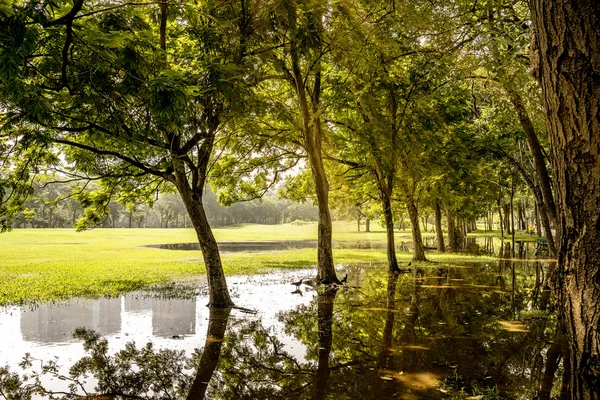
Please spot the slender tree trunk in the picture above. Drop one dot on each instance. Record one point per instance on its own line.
(312, 140)
(438, 228)
(538, 224)
(413, 213)
(506, 210)
(512, 212)
(217, 325)
(367, 224)
(566, 60)
(389, 230)
(451, 229)
(532, 183)
(219, 294)
(501, 220)
(535, 149)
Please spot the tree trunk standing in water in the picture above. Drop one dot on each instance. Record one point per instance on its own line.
(217, 325)
(191, 193)
(219, 294)
(312, 135)
(389, 230)
(438, 228)
(566, 61)
(413, 212)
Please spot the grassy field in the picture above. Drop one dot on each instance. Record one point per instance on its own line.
(53, 264)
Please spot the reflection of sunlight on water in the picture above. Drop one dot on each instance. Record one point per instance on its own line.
(414, 347)
(513, 326)
(46, 330)
(415, 381)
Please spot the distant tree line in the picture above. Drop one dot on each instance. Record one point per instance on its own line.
(54, 205)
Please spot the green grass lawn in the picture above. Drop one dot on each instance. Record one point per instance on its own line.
(53, 264)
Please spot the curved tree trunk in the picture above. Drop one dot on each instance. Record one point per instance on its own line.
(535, 148)
(438, 228)
(413, 212)
(218, 292)
(566, 60)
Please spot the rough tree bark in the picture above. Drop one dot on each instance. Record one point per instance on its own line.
(566, 61)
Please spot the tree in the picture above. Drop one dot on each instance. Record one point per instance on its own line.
(301, 44)
(135, 95)
(566, 51)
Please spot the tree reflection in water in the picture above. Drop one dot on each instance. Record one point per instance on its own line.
(479, 329)
(217, 325)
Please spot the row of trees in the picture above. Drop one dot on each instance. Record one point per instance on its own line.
(55, 206)
(394, 101)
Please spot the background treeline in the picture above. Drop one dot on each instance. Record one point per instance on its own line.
(54, 206)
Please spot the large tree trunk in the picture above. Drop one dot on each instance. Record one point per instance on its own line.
(413, 212)
(386, 202)
(217, 325)
(438, 228)
(217, 285)
(566, 60)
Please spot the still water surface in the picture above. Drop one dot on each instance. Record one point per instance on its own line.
(438, 331)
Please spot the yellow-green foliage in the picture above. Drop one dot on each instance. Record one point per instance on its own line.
(50, 264)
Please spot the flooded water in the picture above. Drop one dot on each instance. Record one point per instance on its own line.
(443, 331)
(472, 245)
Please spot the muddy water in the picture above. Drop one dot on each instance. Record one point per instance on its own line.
(428, 334)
